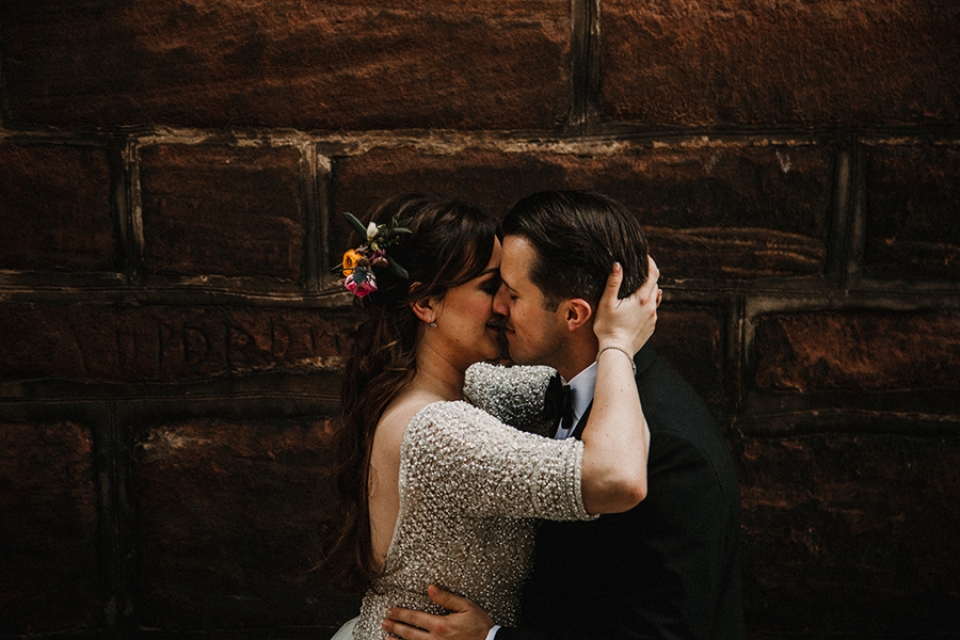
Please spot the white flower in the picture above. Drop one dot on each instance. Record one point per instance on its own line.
(372, 231)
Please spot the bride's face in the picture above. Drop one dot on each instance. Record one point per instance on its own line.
(467, 326)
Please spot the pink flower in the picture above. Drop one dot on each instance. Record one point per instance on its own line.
(360, 283)
(379, 258)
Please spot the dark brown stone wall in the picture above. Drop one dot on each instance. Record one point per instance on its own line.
(56, 208)
(227, 519)
(221, 210)
(340, 65)
(860, 63)
(172, 182)
(51, 578)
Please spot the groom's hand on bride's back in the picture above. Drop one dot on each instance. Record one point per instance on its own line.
(466, 620)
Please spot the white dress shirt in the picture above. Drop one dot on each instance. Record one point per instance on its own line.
(582, 387)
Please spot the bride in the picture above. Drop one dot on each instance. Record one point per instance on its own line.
(433, 490)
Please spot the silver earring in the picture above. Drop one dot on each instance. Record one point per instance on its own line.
(433, 324)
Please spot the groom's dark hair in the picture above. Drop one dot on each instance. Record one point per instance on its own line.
(577, 236)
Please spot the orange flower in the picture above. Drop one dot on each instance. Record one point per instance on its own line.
(350, 260)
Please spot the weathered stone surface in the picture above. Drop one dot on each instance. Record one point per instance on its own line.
(692, 340)
(222, 210)
(740, 62)
(55, 208)
(862, 351)
(851, 535)
(48, 529)
(912, 198)
(718, 211)
(228, 515)
(163, 343)
(330, 65)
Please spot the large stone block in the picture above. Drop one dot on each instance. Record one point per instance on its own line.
(851, 535)
(48, 529)
(856, 351)
(716, 211)
(329, 65)
(744, 62)
(222, 210)
(164, 343)
(912, 196)
(227, 520)
(55, 208)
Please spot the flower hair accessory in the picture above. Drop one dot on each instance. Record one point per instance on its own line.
(358, 264)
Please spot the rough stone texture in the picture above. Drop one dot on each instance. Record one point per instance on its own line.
(691, 339)
(48, 529)
(856, 351)
(851, 534)
(55, 208)
(912, 202)
(89, 342)
(222, 210)
(286, 63)
(228, 515)
(211, 451)
(718, 211)
(741, 62)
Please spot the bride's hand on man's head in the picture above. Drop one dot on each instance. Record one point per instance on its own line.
(628, 322)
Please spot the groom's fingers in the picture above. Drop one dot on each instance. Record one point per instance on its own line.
(447, 600)
(408, 624)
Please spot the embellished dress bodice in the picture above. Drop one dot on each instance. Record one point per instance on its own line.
(470, 489)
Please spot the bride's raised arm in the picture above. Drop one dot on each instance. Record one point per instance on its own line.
(616, 438)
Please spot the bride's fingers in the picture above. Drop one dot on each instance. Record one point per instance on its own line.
(648, 290)
(611, 291)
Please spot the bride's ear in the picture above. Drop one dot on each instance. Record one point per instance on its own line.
(425, 309)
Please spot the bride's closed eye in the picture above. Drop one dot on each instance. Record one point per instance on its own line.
(490, 285)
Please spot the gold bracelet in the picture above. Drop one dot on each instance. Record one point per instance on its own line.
(621, 350)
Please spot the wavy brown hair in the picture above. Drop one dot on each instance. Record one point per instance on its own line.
(450, 244)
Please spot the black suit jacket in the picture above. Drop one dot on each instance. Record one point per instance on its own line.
(668, 568)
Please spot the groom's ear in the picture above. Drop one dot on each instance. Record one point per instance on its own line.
(576, 313)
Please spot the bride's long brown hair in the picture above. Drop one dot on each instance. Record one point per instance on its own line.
(450, 244)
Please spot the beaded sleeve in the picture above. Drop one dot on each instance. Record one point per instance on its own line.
(514, 395)
(470, 460)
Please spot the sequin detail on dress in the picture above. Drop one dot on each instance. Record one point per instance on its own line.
(470, 488)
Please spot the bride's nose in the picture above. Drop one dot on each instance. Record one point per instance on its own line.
(500, 306)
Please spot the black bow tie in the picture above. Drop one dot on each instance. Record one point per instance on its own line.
(558, 405)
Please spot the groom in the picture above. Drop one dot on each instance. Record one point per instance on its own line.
(669, 567)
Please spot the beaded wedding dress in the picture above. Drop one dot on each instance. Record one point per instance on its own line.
(471, 489)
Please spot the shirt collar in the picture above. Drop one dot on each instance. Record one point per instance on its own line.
(582, 386)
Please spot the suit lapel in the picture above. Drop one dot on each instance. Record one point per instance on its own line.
(583, 422)
(643, 360)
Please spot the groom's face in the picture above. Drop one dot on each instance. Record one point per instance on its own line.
(534, 332)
